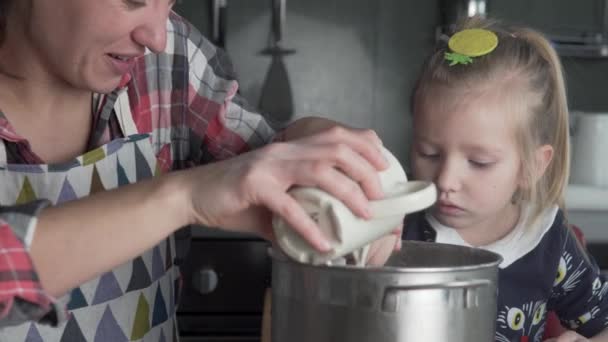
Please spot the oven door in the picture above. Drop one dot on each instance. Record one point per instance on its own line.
(224, 281)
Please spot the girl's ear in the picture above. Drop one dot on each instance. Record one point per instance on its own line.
(544, 156)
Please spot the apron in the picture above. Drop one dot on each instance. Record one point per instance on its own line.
(137, 300)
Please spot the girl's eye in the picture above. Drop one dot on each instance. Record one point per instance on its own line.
(428, 155)
(480, 164)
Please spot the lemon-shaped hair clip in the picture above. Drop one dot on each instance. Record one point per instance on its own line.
(470, 43)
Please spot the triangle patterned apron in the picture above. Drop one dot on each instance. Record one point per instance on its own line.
(137, 300)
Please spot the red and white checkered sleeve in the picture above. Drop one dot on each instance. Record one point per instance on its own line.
(22, 297)
(217, 115)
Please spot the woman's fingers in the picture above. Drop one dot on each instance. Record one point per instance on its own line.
(340, 186)
(364, 142)
(242, 193)
(568, 336)
(295, 216)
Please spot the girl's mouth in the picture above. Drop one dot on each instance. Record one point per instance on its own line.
(448, 209)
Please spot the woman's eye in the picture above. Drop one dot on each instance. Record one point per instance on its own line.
(135, 3)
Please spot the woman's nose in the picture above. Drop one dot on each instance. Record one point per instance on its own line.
(447, 178)
(153, 33)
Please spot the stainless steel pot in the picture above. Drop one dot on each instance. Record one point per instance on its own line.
(426, 292)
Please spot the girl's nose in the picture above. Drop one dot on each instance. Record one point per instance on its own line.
(447, 178)
(153, 33)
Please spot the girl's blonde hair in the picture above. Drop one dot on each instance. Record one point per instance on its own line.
(526, 57)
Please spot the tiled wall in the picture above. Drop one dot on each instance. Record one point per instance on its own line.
(356, 60)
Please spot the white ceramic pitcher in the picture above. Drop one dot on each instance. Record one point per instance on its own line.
(346, 231)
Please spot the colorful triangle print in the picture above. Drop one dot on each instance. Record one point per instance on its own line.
(93, 156)
(176, 294)
(138, 137)
(142, 168)
(26, 168)
(107, 289)
(33, 335)
(159, 314)
(108, 329)
(139, 277)
(114, 146)
(141, 324)
(27, 192)
(63, 167)
(122, 174)
(77, 300)
(175, 333)
(157, 170)
(67, 192)
(96, 184)
(72, 332)
(157, 264)
(168, 256)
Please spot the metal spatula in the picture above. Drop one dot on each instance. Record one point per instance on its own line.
(276, 99)
(218, 25)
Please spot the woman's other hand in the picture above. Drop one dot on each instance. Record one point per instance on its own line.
(381, 249)
(569, 336)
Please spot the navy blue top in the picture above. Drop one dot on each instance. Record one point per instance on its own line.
(557, 275)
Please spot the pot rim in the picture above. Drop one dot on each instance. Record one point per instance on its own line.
(278, 256)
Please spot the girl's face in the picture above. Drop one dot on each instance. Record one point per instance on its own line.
(467, 146)
(91, 44)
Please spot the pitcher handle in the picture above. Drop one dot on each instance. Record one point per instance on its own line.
(408, 197)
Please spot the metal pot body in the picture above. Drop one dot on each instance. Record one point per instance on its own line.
(426, 292)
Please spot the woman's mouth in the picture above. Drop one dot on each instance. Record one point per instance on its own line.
(121, 64)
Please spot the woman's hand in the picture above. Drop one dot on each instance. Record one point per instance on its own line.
(380, 250)
(569, 336)
(241, 193)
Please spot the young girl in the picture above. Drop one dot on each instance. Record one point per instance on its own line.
(491, 130)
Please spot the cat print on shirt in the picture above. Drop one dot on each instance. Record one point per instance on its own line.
(567, 277)
(582, 319)
(525, 320)
(599, 289)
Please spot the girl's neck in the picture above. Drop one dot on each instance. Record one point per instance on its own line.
(493, 229)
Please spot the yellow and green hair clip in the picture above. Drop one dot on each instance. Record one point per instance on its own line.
(470, 43)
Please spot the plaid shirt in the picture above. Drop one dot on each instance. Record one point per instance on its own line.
(185, 98)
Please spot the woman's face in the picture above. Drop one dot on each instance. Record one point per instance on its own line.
(91, 44)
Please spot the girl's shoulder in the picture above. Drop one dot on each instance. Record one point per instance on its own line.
(417, 228)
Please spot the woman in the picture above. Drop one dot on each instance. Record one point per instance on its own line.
(99, 100)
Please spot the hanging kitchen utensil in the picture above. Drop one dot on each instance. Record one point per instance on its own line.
(276, 99)
(218, 22)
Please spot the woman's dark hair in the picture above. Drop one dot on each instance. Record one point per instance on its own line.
(4, 7)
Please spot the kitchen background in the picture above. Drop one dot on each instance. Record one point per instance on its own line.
(356, 61)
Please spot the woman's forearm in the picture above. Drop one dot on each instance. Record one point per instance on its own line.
(76, 241)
